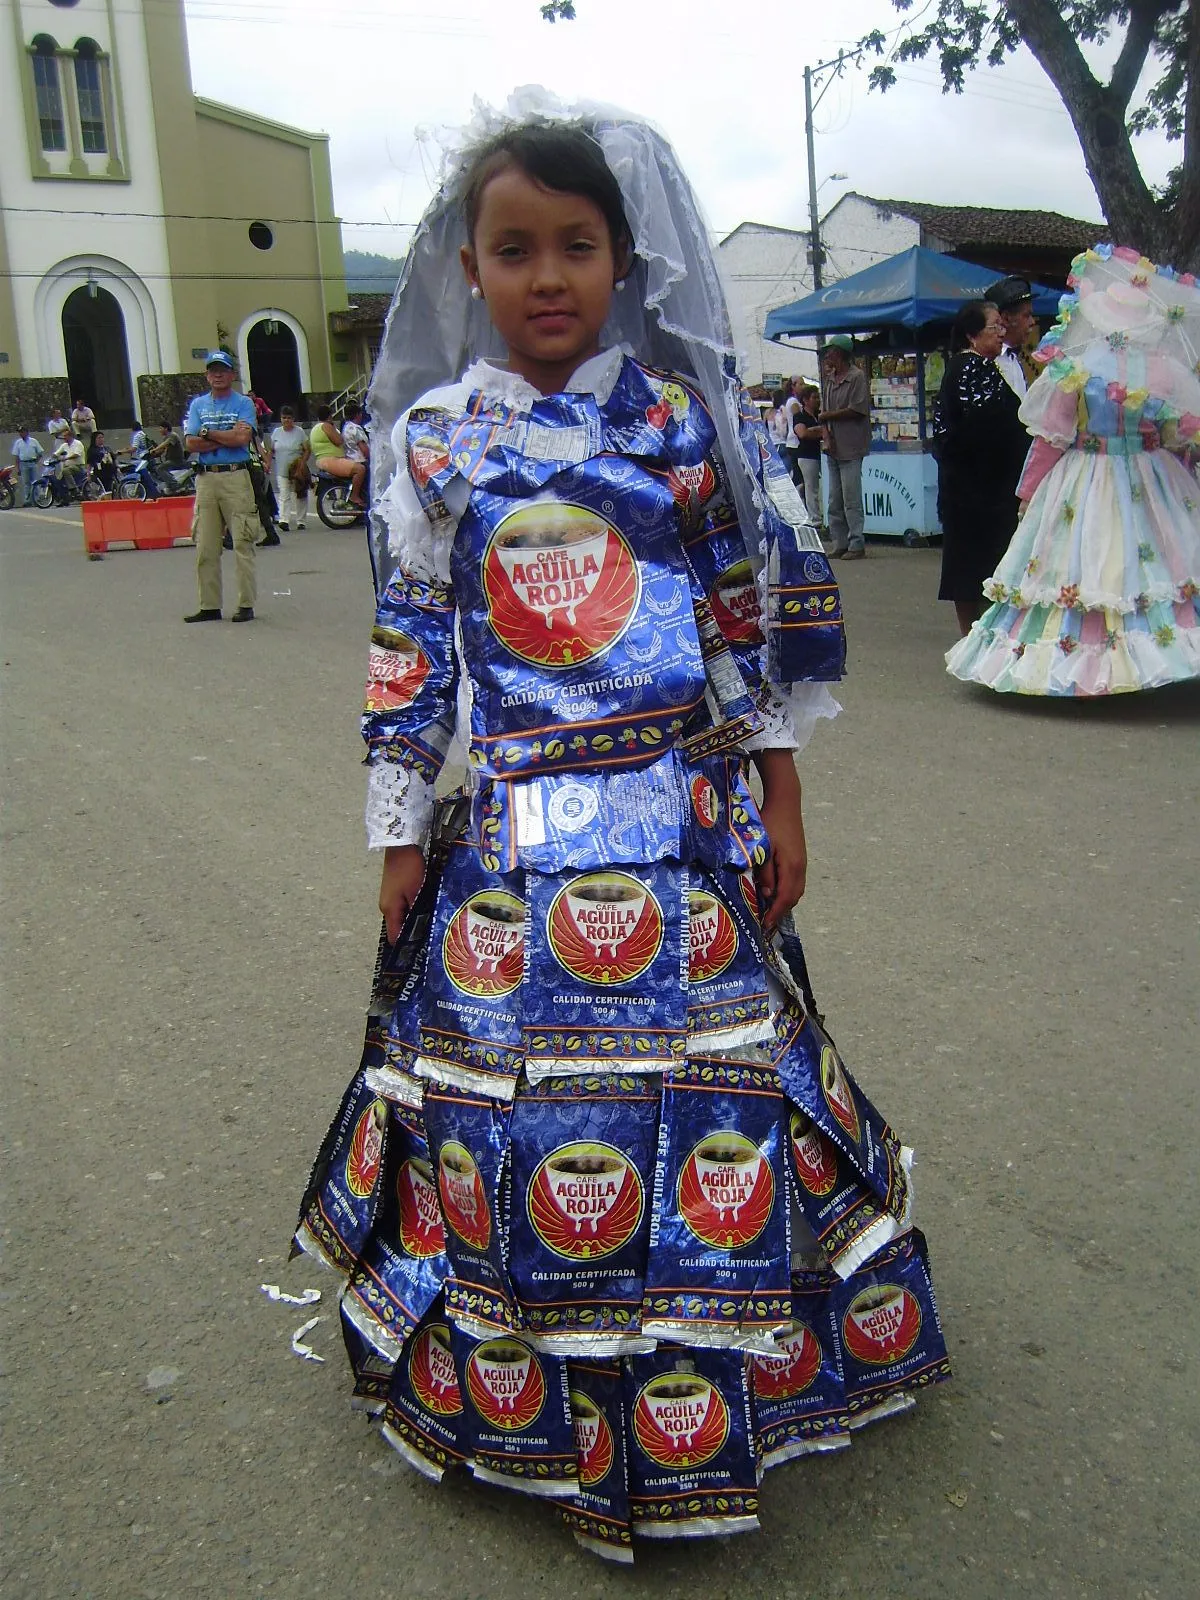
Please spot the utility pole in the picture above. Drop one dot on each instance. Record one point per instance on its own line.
(815, 253)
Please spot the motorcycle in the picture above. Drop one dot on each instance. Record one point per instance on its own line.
(334, 505)
(8, 488)
(138, 481)
(78, 486)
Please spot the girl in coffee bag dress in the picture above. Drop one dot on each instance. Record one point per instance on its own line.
(618, 1228)
(1098, 590)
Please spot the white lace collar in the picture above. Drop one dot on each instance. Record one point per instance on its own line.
(597, 376)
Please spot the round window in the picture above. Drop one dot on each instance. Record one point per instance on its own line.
(261, 236)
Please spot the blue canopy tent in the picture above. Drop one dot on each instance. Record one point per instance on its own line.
(909, 302)
(912, 290)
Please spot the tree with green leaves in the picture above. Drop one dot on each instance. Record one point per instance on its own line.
(1154, 83)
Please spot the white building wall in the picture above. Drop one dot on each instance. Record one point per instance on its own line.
(47, 221)
(763, 267)
(856, 233)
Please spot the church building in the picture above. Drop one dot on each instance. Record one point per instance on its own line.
(142, 226)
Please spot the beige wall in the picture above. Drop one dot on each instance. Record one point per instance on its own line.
(9, 341)
(252, 168)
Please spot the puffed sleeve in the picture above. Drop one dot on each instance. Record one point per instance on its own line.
(788, 708)
(412, 683)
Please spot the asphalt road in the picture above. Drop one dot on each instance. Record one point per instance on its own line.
(1001, 927)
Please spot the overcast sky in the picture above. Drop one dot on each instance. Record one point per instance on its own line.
(723, 80)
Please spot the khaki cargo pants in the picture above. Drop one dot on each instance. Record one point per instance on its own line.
(224, 500)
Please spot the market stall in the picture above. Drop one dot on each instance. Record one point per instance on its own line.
(906, 306)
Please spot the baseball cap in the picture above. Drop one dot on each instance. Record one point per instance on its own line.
(840, 341)
(218, 358)
(1006, 293)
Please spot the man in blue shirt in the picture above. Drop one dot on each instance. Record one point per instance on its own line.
(219, 429)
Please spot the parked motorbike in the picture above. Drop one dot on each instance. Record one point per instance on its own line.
(139, 481)
(8, 488)
(83, 485)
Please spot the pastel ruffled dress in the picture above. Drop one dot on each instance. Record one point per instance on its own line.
(1097, 592)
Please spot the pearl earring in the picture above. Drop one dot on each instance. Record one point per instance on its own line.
(619, 286)
(476, 292)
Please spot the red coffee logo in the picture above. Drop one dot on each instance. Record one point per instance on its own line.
(585, 1201)
(712, 937)
(421, 1231)
(432, 1373)
(426, 456)
(813, 1156)
(484, 946)
(750, 895)
(882, 1324)
(704, 801)
(605, 927)
(464, 1203)
(680, 1420)
(734, 600)
(561, 584)
(593, 1439)
(793, 1370)
(726, 1191)
(692, 485)
(505, 1383)
(397, 667)
(838, 1094)
(366, 1150)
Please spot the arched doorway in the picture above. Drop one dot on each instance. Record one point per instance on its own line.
(274, 363)
(97, 355)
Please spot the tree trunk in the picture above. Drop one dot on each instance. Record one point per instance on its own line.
(1186, 220)
(1129, 207)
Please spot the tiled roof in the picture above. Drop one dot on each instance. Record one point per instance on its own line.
(364, 311)
(986, 225)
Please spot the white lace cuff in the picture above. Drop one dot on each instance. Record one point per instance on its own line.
(399, 806)
(790, 715)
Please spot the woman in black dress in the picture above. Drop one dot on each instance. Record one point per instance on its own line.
(981, 446)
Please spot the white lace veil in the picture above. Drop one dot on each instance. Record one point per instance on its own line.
(671, 314)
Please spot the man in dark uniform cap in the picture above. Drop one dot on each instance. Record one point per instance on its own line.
(1013, 299)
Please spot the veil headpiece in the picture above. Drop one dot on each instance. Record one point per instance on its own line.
(672, 314)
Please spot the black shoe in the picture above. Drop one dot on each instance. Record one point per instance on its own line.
(243, 614)
(283, 527)
(271, 538)
(227, 541)
(205, 614)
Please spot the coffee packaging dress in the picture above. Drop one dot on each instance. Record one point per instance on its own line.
(618, 1227)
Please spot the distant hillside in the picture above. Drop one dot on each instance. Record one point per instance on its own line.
(371, 274)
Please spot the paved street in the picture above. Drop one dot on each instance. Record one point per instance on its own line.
(1001, 928)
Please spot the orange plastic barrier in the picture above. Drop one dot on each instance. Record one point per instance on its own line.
(143, 524)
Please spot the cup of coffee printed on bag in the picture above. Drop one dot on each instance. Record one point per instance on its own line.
(593, 1439)
(561, 583)
(421, 1231)
(585, 1200)
(680, 1420)
(882, 1324)
(462, 1195)
(505, 1383)
(605, 911)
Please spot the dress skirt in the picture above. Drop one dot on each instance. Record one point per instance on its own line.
(617, 1227)
(1097, 593)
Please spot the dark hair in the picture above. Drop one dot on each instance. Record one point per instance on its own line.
(971, 320)
(166, 426)
(288, 411)
(780, 397)
(563, 157)
(323, 413)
